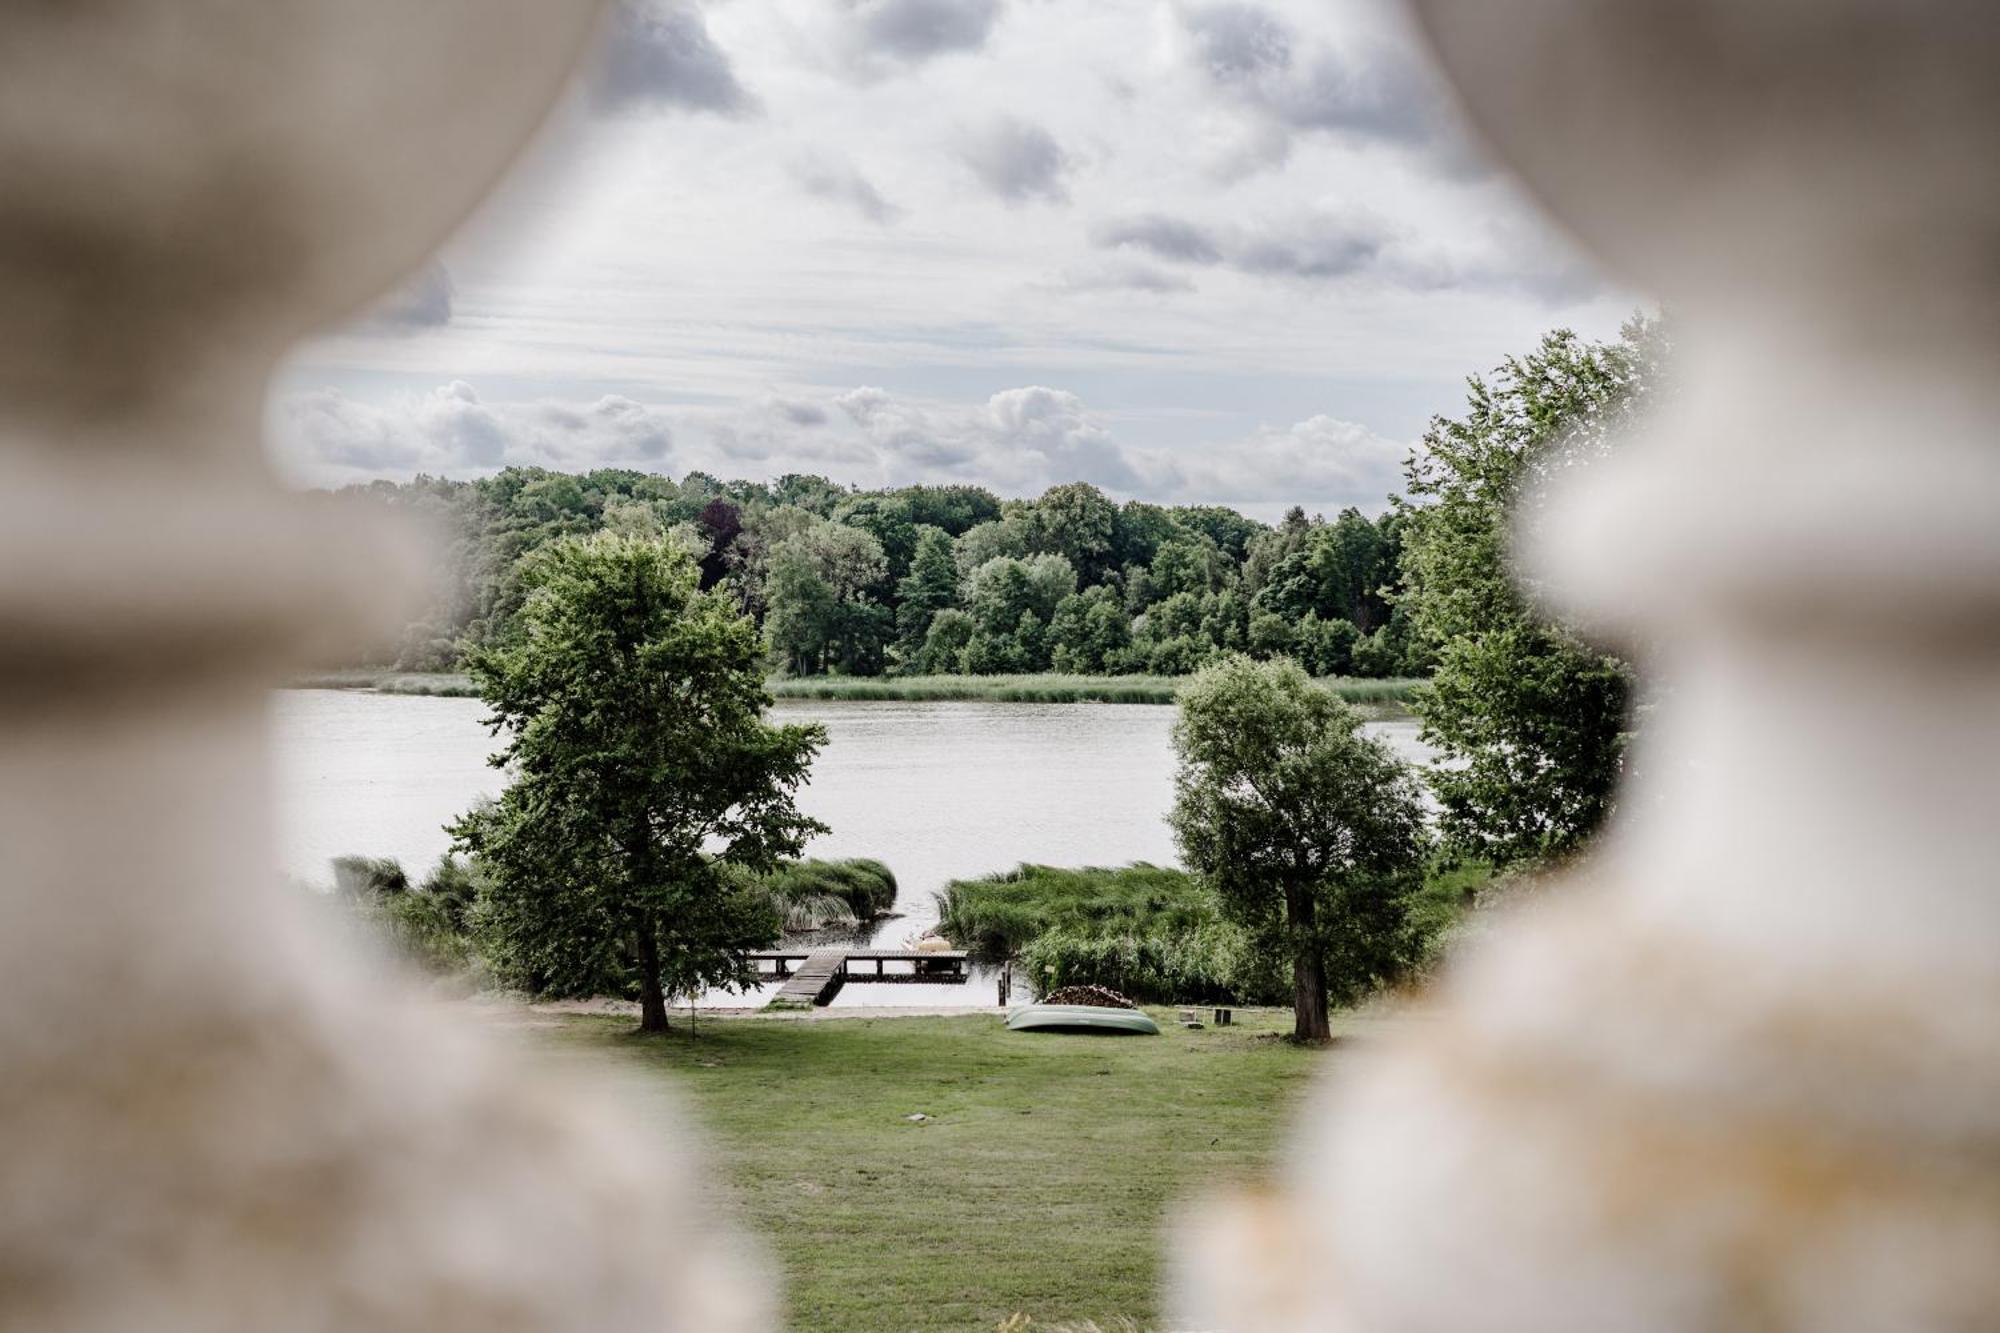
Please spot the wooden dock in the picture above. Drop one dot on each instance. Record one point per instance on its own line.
(815, 976)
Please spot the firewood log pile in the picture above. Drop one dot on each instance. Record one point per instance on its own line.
(1102, 997)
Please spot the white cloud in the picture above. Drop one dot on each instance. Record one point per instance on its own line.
(874, 39)
(885, 218)
(451, 431)
(659, 54)
(917, 30)
(1369, 88)
(1019, 441)
(1320, 247)
(1319, 462)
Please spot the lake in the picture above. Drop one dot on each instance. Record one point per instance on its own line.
(938, 790)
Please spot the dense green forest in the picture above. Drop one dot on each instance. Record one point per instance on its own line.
(940, 579)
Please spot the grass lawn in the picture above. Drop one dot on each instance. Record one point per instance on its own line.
(1039, 1185)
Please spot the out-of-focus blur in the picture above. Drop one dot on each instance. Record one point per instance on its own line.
(211, 1117)
(1736, 1067)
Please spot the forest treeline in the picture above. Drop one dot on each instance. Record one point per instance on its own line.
(940, 579)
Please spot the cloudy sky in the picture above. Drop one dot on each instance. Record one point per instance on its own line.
(1192, 252)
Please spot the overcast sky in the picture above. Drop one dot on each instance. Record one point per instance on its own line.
(1206, 253)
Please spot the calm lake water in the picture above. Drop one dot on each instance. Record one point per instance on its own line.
(939, 791)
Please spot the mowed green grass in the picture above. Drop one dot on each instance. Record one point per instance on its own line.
(1041, 1184)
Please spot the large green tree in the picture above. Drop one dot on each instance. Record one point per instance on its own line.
(1528, 719)
(643, 770)
(1312, 833)
(931, 586)
(821, 610)
(1077, 523)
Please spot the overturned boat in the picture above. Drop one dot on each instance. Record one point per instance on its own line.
(1079, 1018)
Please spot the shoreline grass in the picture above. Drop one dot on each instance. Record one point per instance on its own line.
(443, 684)
(1051, 688)
(1375, 697)
(969, 1217)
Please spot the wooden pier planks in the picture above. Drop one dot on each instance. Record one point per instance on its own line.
(816, 977)
(817, 980)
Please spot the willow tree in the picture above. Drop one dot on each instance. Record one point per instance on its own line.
(643, 771)
(1312, 833)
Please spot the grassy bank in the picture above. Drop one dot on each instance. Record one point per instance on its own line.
(1040, 1185)
(1155, 933)
(1150, 932)
(450, 684)
(820, 895)
(1048, 688)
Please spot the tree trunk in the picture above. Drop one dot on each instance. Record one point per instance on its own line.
(652, 998)
(1309, 1019)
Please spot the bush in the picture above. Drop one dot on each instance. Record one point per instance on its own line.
(368, 877)
(950, 634)
(1178, 656)
(1326, 647)
(1152, 933)
(824, 895)
(1375, 655)
(1209, 963)
(1271, 635)
(429, 926)
(425, 929)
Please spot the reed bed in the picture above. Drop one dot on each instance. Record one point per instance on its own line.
(1044, 688)
(1054, 688)
(443, 684)
(818, 895)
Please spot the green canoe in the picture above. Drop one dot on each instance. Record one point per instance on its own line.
(1078, 1017)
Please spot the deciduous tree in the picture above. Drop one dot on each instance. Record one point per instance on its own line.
(1529, 720)
(642, 769)
(1312, 832)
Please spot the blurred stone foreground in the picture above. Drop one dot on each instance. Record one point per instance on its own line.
(208, 1120)
(1741, 1070)
(1745, 1074)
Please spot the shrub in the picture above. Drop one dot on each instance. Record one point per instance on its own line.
(1152, 933)
(945, 643)
(429, 926)
(1207, 963)
(824, 895)
(1375, 655)
(1271, 635)
(1326, 647)
(426, 930)
(364, 877)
